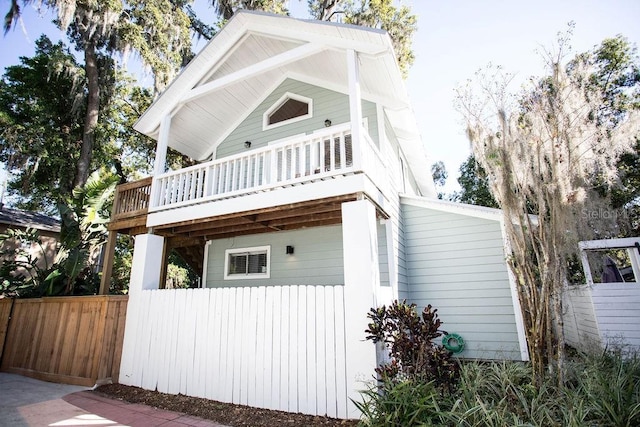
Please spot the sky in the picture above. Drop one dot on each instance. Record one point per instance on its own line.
(455, 38)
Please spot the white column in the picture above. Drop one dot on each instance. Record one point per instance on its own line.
(361, 279)
(160, 161)
(145, 274)
(146, 265)
(355, 106)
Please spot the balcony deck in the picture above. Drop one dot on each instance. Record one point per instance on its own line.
(243, 187)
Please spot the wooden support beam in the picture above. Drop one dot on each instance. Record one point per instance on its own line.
(107, 263)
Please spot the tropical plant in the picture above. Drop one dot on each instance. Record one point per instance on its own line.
(411, 402)
(83, 232)
(409, 339)
(23, 272)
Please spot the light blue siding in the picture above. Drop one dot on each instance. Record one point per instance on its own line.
(327, 104)
(317, 258)
(457, 264)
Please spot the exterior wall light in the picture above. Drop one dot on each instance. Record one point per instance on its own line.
(327, 123)
(289, 250)
(247, 144)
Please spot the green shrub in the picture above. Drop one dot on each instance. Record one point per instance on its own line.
(610, 384)
(602, 390)
(410, 341)
(409, 402)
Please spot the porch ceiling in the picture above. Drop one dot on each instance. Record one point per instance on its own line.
(279, 218)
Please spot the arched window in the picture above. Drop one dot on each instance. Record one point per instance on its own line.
(289, 108)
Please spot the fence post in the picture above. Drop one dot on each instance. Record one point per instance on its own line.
(361, 280)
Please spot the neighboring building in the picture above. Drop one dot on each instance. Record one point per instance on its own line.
(48, 228)
(312, 202)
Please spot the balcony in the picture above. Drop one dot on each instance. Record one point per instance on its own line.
(325, 155)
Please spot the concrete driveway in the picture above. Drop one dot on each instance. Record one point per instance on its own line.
(28, 402)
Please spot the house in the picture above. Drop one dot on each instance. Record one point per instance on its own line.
(48, 229)
(312, 201)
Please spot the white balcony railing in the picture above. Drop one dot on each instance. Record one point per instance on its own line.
(324, 153)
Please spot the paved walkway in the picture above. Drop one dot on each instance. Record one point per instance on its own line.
(28, 402)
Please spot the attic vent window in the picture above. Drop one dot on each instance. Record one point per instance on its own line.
(290, 108)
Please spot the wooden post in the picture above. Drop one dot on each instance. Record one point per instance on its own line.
(107, 263)
(166, 250)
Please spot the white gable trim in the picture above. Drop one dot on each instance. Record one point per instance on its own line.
(269, 64)
(239, 26)
(454, 207)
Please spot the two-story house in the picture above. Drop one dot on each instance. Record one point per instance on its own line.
(312, 201)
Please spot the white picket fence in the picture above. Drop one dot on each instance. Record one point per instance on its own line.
(321, 154)
(275, 347)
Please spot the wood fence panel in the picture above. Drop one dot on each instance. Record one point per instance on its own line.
(73, 340)
(5, 313)
(278, 347)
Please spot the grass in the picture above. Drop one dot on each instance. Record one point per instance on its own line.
(601, 390)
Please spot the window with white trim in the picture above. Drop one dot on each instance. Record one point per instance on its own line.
(247, 263)
(290, 108)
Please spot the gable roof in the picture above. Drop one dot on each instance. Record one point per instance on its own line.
(255, 52)
(27, 219)
(458, 208)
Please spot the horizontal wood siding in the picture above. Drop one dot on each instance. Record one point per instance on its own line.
(317, 258)
(72, 340)
(276, 347)
(457, 264)
(390, 151)
(617, 308)
(327, 104)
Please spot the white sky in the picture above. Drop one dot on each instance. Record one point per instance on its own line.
(455, 38)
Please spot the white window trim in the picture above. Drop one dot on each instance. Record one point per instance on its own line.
(228, 252)
(279, 103)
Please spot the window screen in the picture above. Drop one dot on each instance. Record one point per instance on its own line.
(247, 262)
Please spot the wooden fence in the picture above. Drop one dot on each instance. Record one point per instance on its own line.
(277, 347)
(71, 340)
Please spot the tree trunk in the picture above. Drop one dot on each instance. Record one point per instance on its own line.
(91, 117)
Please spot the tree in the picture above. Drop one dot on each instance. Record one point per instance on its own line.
(474, 183)
(42, 105)
(545, 154)
(440, 175)
(399, 22)
(159, 31)
(156, 29)
(617, 76)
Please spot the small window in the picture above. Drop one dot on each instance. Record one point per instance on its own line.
(289, 108)
(247, 263)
